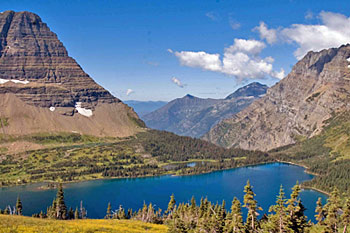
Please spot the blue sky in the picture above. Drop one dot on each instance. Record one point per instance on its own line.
(149, 46)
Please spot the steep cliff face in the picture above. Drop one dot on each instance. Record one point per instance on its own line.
(294, 108)
(192, 116)
(37, 74)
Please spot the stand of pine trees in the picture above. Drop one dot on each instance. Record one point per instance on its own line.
(286, 216)
(58, 210)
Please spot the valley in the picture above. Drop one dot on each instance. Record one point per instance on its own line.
(194, 117)
(73, 157)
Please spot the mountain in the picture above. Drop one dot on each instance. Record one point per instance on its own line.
(193, 116)
(254, 89)
(144, 107)
(42, 89)
(296, 108)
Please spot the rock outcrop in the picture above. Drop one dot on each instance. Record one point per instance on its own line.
(37, 74)
(295, 108)
(193, 116)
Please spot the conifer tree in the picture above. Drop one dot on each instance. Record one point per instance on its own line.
(51, 211)
(333, 217)
(61, 209)
(223, 209)
(129, 214)
(251, 204)
(297, 221)
(346, 215)
(319, 216)
(18, 206)
(218, 222)
(83, 212)
(109, 211)
(171, 205)
(193, 205)
(41, 215)
(234, 221)
(293, 201)
(177, 225)
(279, 221)
(121, 213)
(205, 221)
(144, 212)
(201, 208)
(76, 213)
(70, 213)
(150, 213)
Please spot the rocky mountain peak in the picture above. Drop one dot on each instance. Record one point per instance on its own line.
(254, 89)
(296, 107)
(31, 52)
(189, 96)
(24, 33)
(37, 73)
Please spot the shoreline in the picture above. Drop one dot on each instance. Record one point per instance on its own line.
(300, 165)
(308, 172)
(45, 184)
(316, 189)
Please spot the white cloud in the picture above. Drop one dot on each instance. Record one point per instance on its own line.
(279, 75)
(270, 35)
(240, 60)
(200, 59)
(177, 82)
(212, 15)
(334, 31)
(253, 47)
(129, 92)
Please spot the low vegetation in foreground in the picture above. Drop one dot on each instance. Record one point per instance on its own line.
(74, 157)
(28, 225)
(287, 215)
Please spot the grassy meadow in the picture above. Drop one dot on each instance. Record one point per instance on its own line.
(9, 223)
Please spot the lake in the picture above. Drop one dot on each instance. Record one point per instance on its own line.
(132, 193)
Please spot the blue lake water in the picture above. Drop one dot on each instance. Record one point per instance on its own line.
(132, 193)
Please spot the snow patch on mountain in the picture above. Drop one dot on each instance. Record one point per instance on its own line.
(83, 111)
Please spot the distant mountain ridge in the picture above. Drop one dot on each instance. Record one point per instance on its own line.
(144, 107)
(253, 89)
(296, 108)
(193, 116)
(43, 89)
